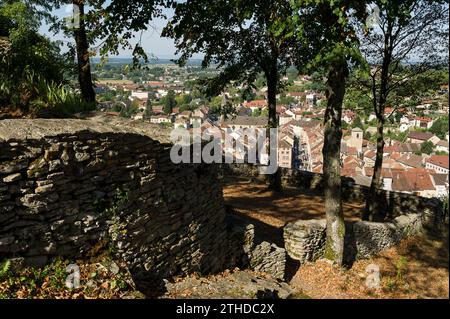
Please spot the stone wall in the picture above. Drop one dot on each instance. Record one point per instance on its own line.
(68, 187)
(269, 258)
(247, 251)
(394, 203)
(305, 240)
(71, 187)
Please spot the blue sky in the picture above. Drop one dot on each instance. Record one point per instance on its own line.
(152, 41)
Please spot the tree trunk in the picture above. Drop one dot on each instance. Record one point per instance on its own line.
(334, 249)
(82, 48)
(373, 199)
(372, 209)
(272, 83)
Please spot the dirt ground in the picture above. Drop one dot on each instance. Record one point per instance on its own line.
(253, 199)
(270, 212)
(417, 268)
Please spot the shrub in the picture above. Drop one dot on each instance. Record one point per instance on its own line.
(4, 268)
(55, 100)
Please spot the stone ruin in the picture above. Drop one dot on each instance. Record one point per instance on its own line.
(68, 186)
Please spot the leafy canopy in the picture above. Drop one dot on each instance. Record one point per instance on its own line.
(241, 38)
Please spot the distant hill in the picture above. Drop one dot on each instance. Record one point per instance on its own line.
(154, 61)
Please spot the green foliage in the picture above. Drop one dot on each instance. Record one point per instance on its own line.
(345, 126)
(440, 127)
(106, 208)
(48, 282)
(357, 100)
(427, 147)
(4, 268)
(398, 136)
(256, 112)
(286, 100)
(248, 95)
(357, 122)
(430, 81)
(169, 102)
(316, 83)
(401, 266)
(32, 280)
(31, 57)
(107, 96)
(441, 153)
(128, 112)
(148, 109)
(115, 22)
(52, 99)
(247, 41)
(397, 117)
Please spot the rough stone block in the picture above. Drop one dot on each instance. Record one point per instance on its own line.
(12, 178)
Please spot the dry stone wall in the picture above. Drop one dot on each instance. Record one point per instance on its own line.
(305, 240)
(69, 186)
(394, 203)
(245, 250)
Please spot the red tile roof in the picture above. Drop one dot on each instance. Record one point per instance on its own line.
(423, 136)
(157, 109)
(388, 110)
(155, 83)
(391, 149)
(411, 160)
(256, 103)
(439, 160)
(281, 109)
(370, 154)
(297, 94)
(385, 172)
(412, 180)
(423, 119)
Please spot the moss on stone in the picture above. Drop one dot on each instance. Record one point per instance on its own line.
(329, 252)
(36, 168)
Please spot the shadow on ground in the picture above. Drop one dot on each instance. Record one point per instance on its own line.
(252, 197)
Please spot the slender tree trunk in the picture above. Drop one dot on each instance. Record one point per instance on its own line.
(272, 83)
(84, 65)
(334, 249)
(373, 199)
(372, 209)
